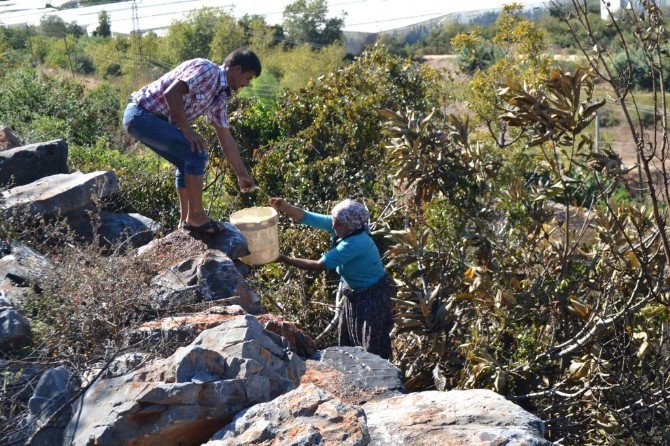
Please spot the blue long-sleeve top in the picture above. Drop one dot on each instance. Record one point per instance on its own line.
(356, 258)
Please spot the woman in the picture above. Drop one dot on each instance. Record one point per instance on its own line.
(366, 318)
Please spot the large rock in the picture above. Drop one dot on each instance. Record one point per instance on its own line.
(60, 195)
(364, 376)
(23, 165)
(8, 139)
(304, 416)
(15, 296)
(186, 398)
(14, 329)
(457, 417)
(24, 266)
(112, 229)
(49, 404)
(188, 269)
(301, 343)
(184, 328)
(211, 276)
(231, 242)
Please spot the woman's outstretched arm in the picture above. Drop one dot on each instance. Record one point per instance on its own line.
(306, 264)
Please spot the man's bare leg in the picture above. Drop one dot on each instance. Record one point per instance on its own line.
(196, 215)
(183, 205)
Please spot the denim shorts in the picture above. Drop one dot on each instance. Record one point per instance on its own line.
(166, 140)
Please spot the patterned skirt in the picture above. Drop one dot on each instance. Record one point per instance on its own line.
(367, 317)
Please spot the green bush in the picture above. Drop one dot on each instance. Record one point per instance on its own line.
(45, 107)
(146, 182)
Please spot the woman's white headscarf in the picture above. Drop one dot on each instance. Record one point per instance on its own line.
(351, 213)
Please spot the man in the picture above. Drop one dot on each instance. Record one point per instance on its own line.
(159, 115)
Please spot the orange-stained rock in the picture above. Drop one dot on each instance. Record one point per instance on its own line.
(301, 343)
(304, 416)
(185, 398)
(184, 328)
(456, 418)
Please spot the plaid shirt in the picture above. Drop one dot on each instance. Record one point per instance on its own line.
(207, 95)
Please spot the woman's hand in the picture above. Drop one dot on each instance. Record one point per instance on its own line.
(294, 212)
(279, 204)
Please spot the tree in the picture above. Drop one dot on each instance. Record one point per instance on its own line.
(104, 28)
(305, 21)
(228, 37)
(52, 26)
(194, 36)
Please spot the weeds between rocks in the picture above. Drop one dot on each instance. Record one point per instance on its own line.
(81, 306)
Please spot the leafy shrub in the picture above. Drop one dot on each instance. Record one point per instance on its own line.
(61, 108)
(146, 182)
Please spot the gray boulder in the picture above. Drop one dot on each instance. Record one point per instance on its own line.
(187, 397)
(457, 417)
(49, 404)
(8, 139)
(366, 375)
(24, 266)
(60, 195)
(15, 296)
(25, 164)
(231, 242)
(207, 277)
(304, 416)
(14, 329)
(112, 229)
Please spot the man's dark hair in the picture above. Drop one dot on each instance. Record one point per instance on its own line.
(246, 59)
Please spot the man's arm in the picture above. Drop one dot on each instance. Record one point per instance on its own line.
(232, 154)
(174, 95)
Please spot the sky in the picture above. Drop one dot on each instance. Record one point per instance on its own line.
(361, 15)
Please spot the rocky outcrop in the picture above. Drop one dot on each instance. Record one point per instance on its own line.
(8, 139)
(60, 195)
(304, 416)
(457, 417)
(192, 394)
(24, 266)
(300, 341)
(25, 164)
(49, 411)
(238, 377)
(356, 374)
(350, 397)
(112, 228)
(14, 328)
(184, 328)
(188, 269)
(231, 242)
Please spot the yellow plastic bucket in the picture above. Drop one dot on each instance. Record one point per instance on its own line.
(260, 226)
